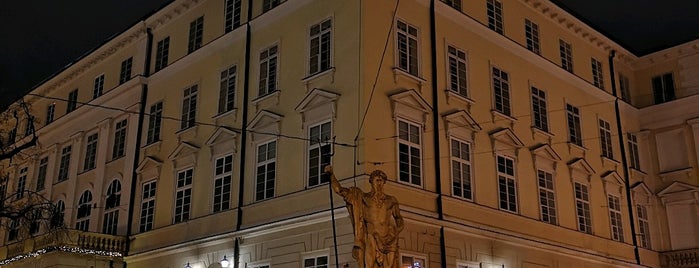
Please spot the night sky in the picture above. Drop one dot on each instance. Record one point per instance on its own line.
(38, 40)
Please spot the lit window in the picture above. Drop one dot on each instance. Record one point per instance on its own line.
(408, 51)
(412, 262)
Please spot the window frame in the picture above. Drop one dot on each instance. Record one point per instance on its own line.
(409, 57)
(98, 86)
(110, 223)
(318, 174)
(644, 231)
(232, 13)
(264, 77)
(616, 223)
(125, 71)
(42, 173)
(265, 163)
(21, 186)
(119, 146)
(597, 73)
(496, 21)
(531, 35)
(227, 89)
(634, 157)
(605, 139)
(583, 210)
(91, 147)
(454, 159)
(455, 76)
(574, 126)
(548, 188)
(511, 203)
(155, 120)
(566, 53)
(455, 4)
(501, 91)
(186, 198)
(196, 34)
(268, 5)
(50, 113)
(147, 215)
(625, 88)
(413, 257)
(188, 114)
(400, 141)
(539, 109)
(72, 104)
(321, 54)
(660, 85)
(162, 53)
(225, 188)
(64, 163)
(83, 223)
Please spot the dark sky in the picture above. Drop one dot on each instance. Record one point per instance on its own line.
(37, 40)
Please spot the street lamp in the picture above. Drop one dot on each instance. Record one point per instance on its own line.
(225, 262)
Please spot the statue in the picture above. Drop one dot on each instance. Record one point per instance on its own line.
(376, 221)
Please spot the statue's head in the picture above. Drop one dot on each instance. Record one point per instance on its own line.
(377, 176)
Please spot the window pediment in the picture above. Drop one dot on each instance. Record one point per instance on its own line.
(580, 169)
(223, 140)
(149, 166)
(461, 124)
(185, 154)
(317, 105)
(612, 182)
(545, 156)
(679, 192)
(265, 124)
(677, 187)
(409, 104)
(641, 193)
(507, 137)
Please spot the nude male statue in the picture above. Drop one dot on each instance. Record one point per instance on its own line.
(376, 220)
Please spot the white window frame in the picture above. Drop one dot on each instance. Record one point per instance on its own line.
(325, 31)
(72, 101)
(232, 10)
(539, 109)
(316, 144)
(42, 173)
(496, 21)
(187, 192)
(91, 147)
(411, 127)
(196, 34)
(119, 146)
(548, 211)
(83, 223)
(504, 176)
(460, 162)
(21, 182)
(566, 53)
(574, 126)
(605, 139)
(403, 256)
(501, 91)
(223, 172)
(162, 53)
(189, 107)
(616, 224)
(315, 256)
(110, 224)
(597, 73)
(644, 236)
(64, 164)
(147, 214)
(50, 113)
(125, 71)
(457, 66)
(583, 210)
(272, 56)
(98, 86)
(227, 89)
(634, 157)
(531, 32)
(155, 121)
(266, 162)
(625, 88)
(406, 53)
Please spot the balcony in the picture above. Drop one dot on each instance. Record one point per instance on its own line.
(680, 258)
(71, 241)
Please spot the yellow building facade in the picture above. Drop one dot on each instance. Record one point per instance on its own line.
(512, 134)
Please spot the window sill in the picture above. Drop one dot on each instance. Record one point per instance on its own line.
(317, 76)
(187, 133)
(270, 99)
(228, 116)
(606, 161)
(398, 72)
(461, 99)
(537, 132)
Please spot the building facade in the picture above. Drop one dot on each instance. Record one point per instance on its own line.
(513, 135)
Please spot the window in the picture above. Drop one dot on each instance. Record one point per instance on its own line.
(29, 126)
(183, 196)
(501, 89)
(13, 231)
(506, 184)
(319, 152)
(266, 170)
(155, 117)
(111, 208)
(196, 32)
(84, 211)
(409, 153)
(625, 88)
(65, 163)
(407, 48)
(457, 71)
(615, 218)
(597, 74)
(321, 44)
(605, 139)
(412, 262)
(226, 98)
(98, 88)
(189, 107)
(3, 187)
(461, 169)
(90, 152)
(118, 150)
(643, 227)
(574, 130)
(161, 53)
(547, 197)
(316, 262)
(495, 15)
(634, 160)
(268, 71)
(21, 183)
(58, 217)
(531, 32)
(223, 174)
(582, 208)
(269, 4)
(540, 115)
(456, 4)
(125, 73)
(663, 88)
(147, 206)
(566, 55)
(12, 136)
(232, 11)
(34, 216)
(72, 101)
(50, 113)
(41, 174)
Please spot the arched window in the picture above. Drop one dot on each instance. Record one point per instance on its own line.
(111, 208)
(84, 210)
(57, 219)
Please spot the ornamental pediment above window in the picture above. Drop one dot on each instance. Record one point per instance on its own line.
(223, 141)
(408, 104)
(580, 170)
(504, 141)
(264, 125)
(461, 124)
(184, 155)
(318, 104)
(149, 167)
(545, 157)
(612, 182)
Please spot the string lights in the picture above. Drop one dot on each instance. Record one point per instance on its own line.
(61, 249)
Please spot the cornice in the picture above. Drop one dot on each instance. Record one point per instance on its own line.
(169, 13)
(673, 53)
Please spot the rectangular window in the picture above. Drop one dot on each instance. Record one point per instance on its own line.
(574, 129)
(232, 11)
(597, 74)
(663, 88)
(125, 73)
(50, 113)
(316, 262)
(321, 45)
(625, 88)
(223, 175)
(110, 223)
(98, 87)
(566, 55)
(461, 169)
(65, 163)
(189, 107)
(412, 261)
(531, 32)
(605, 139)
(13, 231)
(615, 218)
(456, 4)
(634, 160)
(507, 187)
(29, 126)
(582, 208)
(119, 148)
(409, 153)
(495, 15)
(161, 53)
(41, 174)
(268, 71)
(540, 115)
(90, 152)
(183, 195)
(72, 101)
(226, 97)
(266, 170)
(407, 48)
(196, 32)
(643, 227)
(155, 117)
(21, 183)
(269, 4)
(501, 90)
(547, 197)
(457, 71)
(319, 151)
(12, 136)
(147, 206)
